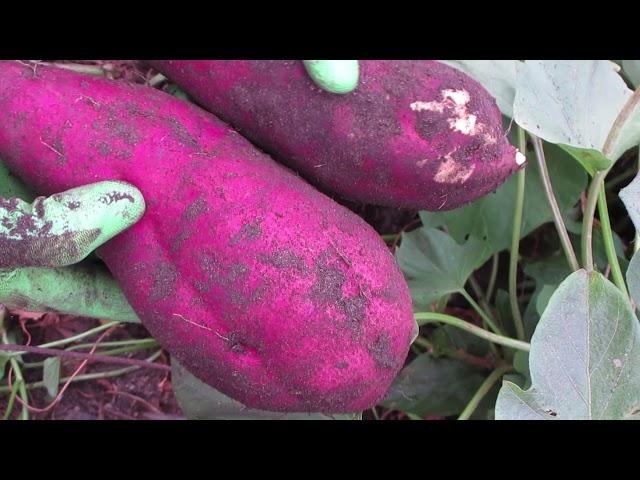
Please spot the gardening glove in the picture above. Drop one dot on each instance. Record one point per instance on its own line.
(39, 241)
(335, 76)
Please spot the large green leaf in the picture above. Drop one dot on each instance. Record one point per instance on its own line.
(434, 386)
(434, 264)
(497, 76)
(490, 218)
(630, 196)
(199, 401)
(631, 69)
(584, 359)
(633, 278)
(574, 103)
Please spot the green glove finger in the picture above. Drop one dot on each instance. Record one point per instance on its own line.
(64, 228)
(86, 290)
(335, 76)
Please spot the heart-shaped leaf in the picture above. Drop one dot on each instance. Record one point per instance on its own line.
(630, 196)
(574, 103)
(584, 359)
(631, 69)
(434, 386)
(434, 264)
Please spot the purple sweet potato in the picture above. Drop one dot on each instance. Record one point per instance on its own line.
(257, 283)
(415, 134)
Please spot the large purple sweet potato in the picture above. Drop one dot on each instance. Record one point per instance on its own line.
(257, 283)
(416, 134)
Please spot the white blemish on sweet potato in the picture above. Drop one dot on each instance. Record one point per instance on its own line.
(456, 100)
(451, 171)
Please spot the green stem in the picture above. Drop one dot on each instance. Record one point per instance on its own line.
(486, 386)
(128, 349)
(490, 322)
(12, 398)
(481, 295)
(117, 343)
(429, 317)
(515, 241)
(607, 236)
(587, 221)
(88, 376)
(492, 278)
(66, 341)
(126, 346)
(424, 343)
(598, 179)
(24, 415)
(86, 69)
(477, 289)
(565, 241)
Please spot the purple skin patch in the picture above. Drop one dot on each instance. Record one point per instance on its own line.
(415, 134)
(257, 283)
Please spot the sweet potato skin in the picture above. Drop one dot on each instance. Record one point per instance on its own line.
(258, 284)
(414, 134)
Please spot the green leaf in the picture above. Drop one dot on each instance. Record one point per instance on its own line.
(199, 401)
(633, 278)
(584, 358)
(448, 339)
(630, 196)
(631, 69)
(591, 160)
(574, 103)
(518, 379)
(498, 77)
(549, 271)
(543, 297)
(434, 386)
(503, 309)
(434, 264)
(51, 375)
(490, 218)
(521, 365)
